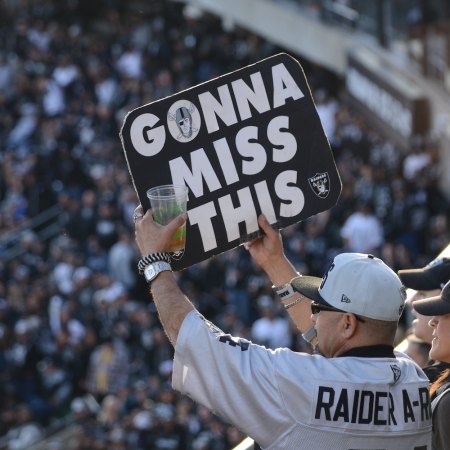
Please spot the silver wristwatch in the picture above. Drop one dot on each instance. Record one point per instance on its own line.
(154, 269)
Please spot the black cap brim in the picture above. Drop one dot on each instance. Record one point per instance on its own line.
(433, 306)
(418, 279)
(309, 287)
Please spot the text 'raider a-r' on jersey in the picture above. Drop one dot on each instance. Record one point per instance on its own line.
(358, 407)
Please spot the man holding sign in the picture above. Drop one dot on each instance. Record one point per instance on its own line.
(251, 150)
(355, 394)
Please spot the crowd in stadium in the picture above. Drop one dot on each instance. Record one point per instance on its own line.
(79, 336)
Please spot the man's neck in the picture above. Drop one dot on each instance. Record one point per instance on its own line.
(371, 351)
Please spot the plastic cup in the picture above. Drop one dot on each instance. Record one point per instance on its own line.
(167, 202)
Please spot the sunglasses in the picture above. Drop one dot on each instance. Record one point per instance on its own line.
(317, 307)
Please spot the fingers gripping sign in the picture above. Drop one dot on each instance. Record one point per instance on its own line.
(266, 246)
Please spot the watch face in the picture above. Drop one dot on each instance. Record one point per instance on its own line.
(150, 272)
(153, 269)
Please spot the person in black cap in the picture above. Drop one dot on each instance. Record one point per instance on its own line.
(439, 309)
(427, 282)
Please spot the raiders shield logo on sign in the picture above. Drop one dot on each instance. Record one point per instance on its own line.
(320, 184)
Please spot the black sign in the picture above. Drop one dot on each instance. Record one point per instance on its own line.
(248, 142)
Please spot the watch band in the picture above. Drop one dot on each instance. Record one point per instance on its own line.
(309, 334)
(153, 269)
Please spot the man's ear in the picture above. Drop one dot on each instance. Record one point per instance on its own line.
(350, 324)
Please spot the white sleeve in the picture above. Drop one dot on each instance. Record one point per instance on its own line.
(232, 377)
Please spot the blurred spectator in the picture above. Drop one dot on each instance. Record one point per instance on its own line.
(326, 108)
(270, 330)
(414, 163)
(362, 231)
(108, 368)
(416, 349)
(24, 430)
(122, 260)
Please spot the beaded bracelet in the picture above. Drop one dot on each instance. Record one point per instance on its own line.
(153, 257)
(295, 302)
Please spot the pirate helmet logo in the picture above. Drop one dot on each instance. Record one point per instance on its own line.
(183, 121)
(396, 372)
(320, 184)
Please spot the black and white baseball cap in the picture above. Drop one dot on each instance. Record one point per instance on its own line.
(357, 283)
(434, 306)
(433, 276)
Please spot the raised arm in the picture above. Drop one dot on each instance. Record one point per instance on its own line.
(171, 303)
(268, 252)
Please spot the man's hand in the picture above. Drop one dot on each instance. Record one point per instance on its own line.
(268, 252)
(152, 237)
(267, 249)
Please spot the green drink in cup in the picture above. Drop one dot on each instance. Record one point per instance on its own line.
(167, 202)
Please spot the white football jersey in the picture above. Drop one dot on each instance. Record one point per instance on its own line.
(288, 400)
